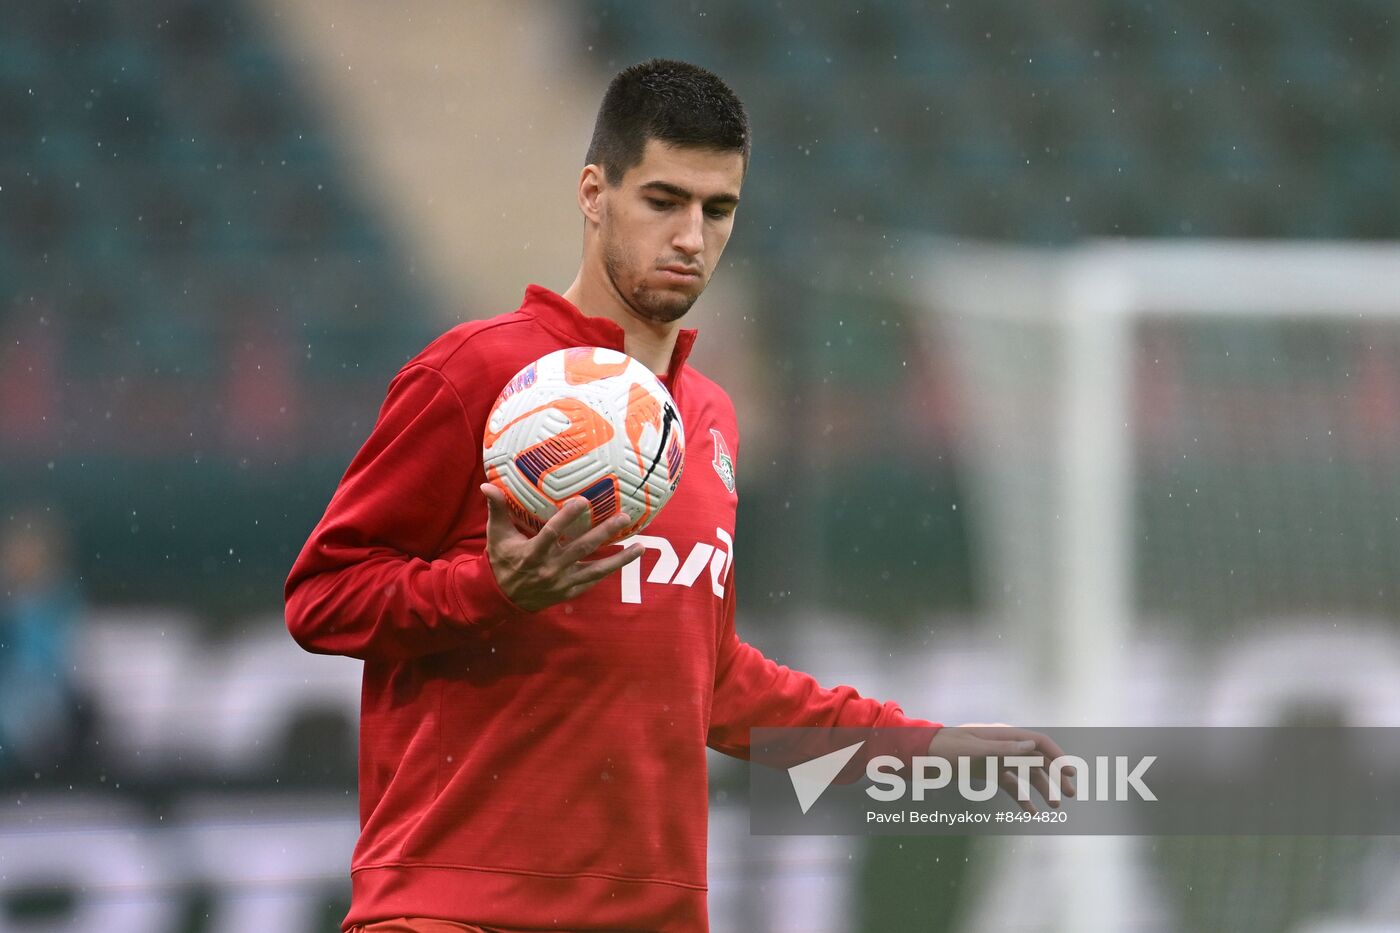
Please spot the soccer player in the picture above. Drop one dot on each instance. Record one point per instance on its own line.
(534, 723)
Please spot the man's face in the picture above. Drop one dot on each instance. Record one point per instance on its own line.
(664, 226)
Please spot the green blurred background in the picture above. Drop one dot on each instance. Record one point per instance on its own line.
(224, 224)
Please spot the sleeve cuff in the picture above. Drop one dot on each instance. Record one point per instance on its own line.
(915, 735)
(478, 596)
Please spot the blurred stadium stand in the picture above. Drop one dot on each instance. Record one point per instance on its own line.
(180, 237)
(1047, 123)
(199, 314)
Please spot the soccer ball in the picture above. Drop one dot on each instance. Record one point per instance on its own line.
(587, 422)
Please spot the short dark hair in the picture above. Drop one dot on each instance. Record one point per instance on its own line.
(674, 102)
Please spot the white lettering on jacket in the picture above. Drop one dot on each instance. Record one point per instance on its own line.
(669, 569)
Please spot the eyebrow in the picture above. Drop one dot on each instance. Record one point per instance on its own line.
(685, 194)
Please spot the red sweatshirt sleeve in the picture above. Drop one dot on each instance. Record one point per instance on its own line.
(370, 582)
(752, 690)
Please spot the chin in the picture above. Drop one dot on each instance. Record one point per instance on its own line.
(662, 307)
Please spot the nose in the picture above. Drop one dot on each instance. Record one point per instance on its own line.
(690, 236)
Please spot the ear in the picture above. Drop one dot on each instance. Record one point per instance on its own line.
(592, 183)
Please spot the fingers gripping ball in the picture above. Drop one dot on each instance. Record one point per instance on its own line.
(587, 422)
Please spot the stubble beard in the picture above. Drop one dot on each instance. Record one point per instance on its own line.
(656, 305)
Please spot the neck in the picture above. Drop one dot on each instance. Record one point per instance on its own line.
(649, 342)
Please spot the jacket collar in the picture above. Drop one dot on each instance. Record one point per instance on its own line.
(560, 317)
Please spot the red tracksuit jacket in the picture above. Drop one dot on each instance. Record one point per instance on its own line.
(536, 770)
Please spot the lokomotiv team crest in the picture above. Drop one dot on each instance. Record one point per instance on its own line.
(723, 462)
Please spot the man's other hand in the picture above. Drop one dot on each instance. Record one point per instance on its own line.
(978, 741)
(538, 571)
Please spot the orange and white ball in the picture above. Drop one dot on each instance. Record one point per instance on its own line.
(587, 422)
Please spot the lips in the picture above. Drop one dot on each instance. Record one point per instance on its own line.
(681, 272)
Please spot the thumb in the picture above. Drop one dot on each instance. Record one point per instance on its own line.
(498, 523)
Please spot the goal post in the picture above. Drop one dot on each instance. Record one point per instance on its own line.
(1043, 340)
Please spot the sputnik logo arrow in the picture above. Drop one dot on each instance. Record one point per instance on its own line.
(811, 778)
